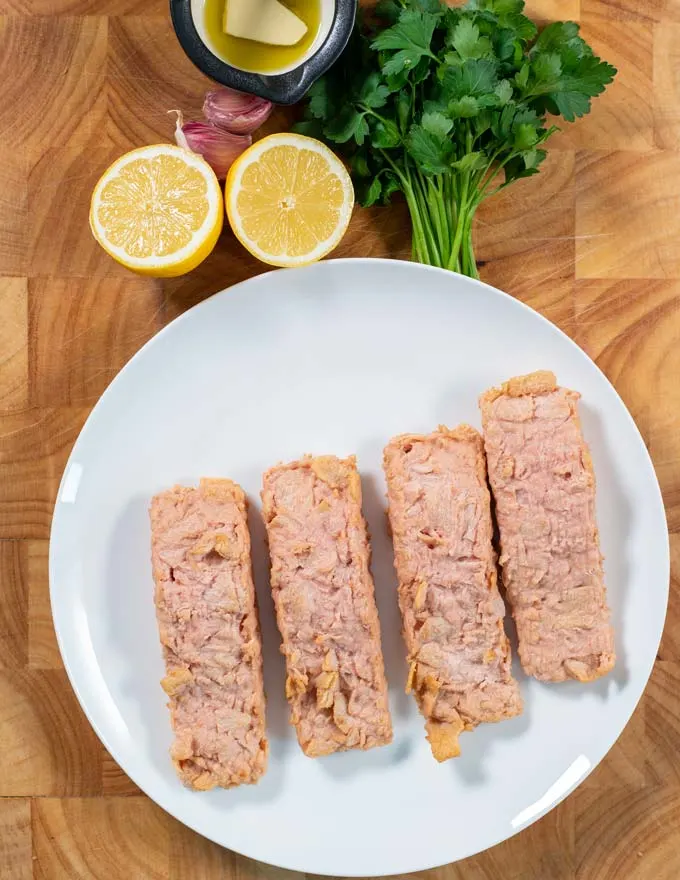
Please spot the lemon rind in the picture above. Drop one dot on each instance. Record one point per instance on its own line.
(232, 188)
(201, 237)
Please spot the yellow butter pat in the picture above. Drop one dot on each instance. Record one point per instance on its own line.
(264, 21)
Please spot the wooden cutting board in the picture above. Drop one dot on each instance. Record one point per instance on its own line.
(593, 243)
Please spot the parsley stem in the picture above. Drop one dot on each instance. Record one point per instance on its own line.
(433, 220)
(420, 206)
(436, 203)
(419, 235)
(446, 197)
(495, 171)
(423, 238)
(468, 261)
(460, 225)
(368, 111)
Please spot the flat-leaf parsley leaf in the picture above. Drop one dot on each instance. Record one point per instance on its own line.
(449, 105)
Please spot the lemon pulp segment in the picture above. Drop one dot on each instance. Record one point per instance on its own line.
(290, 200)
(158, 210)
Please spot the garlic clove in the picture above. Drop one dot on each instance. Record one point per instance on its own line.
(235, 111)
(218, 147)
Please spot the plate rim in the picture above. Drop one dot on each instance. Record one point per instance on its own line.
(67, 655)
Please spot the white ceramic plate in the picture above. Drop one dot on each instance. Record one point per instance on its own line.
(336, 358)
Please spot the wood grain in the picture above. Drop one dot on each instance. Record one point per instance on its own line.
(48, 745)
(13, 344)
(662, 724)
(85, 838)
(627, 219)
(670, 642)
(34, 447)
(43, 651)
(59, 187)
(637, 10)
(81, 333)
(53, 74)
(14, 605)
(625, 113)
(15, 834)
(593, 243)
(13, 214)
(667, 85)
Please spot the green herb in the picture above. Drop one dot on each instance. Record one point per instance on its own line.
(449, 106)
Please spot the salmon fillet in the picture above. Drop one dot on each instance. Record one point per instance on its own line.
(542, 479)
(452, 612)
(208, 625)
(325, 605)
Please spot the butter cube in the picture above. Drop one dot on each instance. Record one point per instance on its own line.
(264, 21)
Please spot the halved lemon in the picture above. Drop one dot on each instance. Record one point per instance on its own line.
(158, 210)
(289, 200)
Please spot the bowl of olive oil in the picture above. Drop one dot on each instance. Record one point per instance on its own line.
(274, 49)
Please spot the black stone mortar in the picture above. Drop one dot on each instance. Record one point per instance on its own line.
(284, 88)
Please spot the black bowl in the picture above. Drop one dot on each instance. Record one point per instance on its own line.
(284, 88)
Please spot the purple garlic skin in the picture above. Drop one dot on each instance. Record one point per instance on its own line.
(234, 111)
(219, 148)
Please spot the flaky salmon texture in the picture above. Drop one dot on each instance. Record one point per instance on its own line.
(541, 475)
(208, 625)
(325, 605)
(452, 612)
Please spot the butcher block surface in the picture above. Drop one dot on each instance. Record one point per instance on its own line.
(593, 243)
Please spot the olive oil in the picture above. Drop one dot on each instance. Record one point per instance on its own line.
(260, 57)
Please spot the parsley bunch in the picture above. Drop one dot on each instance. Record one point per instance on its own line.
(449, 106)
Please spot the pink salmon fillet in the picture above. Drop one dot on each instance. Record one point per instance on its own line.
(452, 612)
(209, 629)
(543, 483)
(325, 605)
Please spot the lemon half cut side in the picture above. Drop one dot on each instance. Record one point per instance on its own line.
(158, 210)
(289, 200)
